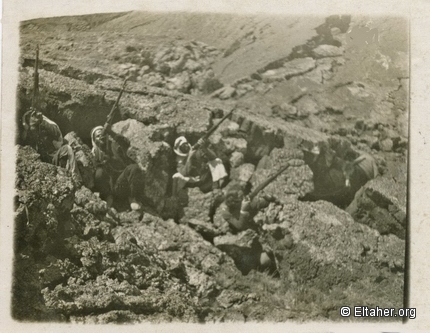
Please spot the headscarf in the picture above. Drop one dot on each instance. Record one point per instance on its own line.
(97, 152)
(178, 142)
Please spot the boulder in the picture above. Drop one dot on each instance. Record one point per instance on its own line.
(236, 159)
(244, 248)
(206, 82)
(153, 79)
(289, 69)
(198, 206)
(154, 158)
(306, 106)
(324, 51)
(285, 111)
(243, 173)
(260, 140)
(227, 92)
(381, 204)
(181, 82)
(298, 66)
(224, 147)
(175, 243)
(321, 246)
(121, 281)
(229, 128)
(296, 181)
(386, 145)
(235, 145)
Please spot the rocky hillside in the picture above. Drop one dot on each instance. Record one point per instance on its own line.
(294, 82)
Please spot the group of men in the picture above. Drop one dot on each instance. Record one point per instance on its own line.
(119, 180)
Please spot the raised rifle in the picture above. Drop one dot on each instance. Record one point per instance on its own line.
(111, 114)
(270, 179)
(214, 128)
(36, 80)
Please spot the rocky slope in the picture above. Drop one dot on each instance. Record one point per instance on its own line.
(294, 82)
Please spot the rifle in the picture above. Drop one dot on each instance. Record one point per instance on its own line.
(36, 79)
(214, 128)
(260, 187)
(111, 114)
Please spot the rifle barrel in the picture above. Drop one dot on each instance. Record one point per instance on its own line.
(115, 106)
(214, 128)
(268, 181)
(36, 78)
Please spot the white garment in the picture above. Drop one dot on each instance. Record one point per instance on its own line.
(217, 169)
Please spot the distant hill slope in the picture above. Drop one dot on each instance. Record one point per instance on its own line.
(249, 42)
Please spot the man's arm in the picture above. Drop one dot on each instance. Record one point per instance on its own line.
(53, 132)
(123, 142)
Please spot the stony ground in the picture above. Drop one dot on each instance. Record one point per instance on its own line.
(293, 81)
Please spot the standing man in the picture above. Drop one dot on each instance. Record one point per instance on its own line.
(117, 177)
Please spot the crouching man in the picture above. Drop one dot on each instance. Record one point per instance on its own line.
(46, 138)
(117, 178)
(238, 212)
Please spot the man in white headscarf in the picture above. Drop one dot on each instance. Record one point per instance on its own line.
(117, 177)
(198, 168)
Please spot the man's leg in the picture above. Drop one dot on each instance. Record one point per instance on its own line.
(102, 185)
(130, 185)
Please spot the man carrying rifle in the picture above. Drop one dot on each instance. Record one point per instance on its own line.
(239, 210)
(44, 135)
(117, 178)
(198, 166)
(46, 138)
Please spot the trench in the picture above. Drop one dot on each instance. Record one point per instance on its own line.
(77, 119)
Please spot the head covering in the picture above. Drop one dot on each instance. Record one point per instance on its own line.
(93, 134)
(96, 151)
(315, 150)
(35, 116)
(178, 142)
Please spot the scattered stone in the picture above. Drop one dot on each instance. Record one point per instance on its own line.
(243, 173)
(307, 106)
(386, 145)
(227, 92)
(236, 159)
(228, 298)
(323, 51)
(291, 68)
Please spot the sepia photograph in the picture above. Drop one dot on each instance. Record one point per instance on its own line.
(186, 166)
